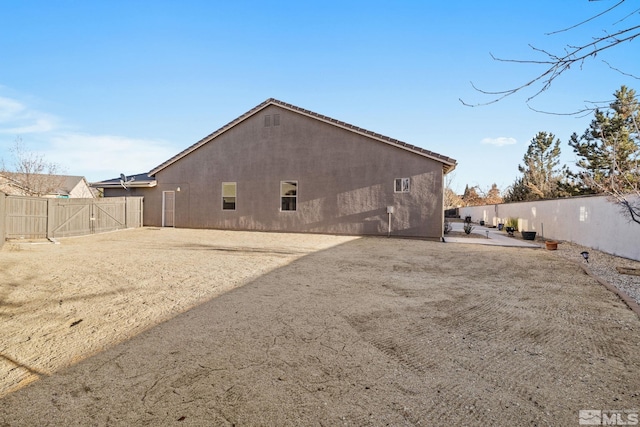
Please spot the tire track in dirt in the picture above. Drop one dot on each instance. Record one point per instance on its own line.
(504, 347)
(496, 340)
(415, 350)
(371, 332)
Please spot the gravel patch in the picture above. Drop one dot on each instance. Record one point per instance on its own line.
(603, 265)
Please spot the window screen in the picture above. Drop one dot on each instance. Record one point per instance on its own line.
(229, 196)
(288, 195)
(401, 185)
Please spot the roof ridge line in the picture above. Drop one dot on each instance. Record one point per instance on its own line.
(435, 156)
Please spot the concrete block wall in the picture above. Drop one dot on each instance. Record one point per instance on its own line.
(592, 221)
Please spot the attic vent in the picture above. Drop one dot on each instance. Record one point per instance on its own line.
(276, 119)
(267, 121)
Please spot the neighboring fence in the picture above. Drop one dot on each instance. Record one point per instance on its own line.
(2, 219)
(40, 218)
(589, 221)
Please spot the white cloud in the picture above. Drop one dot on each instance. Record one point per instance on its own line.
(97, 157)
(100, 157)
(16, 119)
(9, 109)
(500, 141)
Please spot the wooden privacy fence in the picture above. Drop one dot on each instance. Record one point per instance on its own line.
(40, 218)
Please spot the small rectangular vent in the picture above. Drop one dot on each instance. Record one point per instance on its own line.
(276, 119)
(267, 121)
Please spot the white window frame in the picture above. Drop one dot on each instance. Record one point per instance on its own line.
(405, 185)
(235, 197)
(285, 195)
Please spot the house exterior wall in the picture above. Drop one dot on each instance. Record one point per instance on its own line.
(81, 191)
(345, 181)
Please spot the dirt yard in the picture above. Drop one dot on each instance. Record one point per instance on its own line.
(191, 327)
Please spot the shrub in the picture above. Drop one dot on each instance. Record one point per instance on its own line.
(447, 227)
(512, 222)
(468, 227)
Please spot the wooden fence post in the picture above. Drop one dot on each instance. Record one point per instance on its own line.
(3, 218)
(49, 219)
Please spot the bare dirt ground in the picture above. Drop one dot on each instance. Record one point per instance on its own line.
(193, 327)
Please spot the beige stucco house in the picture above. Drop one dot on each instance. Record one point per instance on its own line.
(45, 185)
(279, 167)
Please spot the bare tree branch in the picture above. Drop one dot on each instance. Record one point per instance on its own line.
(573, 55)
(621, 72)
(587, 20)
(31, 174)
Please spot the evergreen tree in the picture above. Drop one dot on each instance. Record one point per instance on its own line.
(518, 192)
(493, 195)
(609, 152)
(541, 175)
(609, 149)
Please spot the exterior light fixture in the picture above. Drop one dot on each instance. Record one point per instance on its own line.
(585, 255)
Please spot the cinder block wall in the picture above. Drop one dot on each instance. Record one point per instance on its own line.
(591, 221)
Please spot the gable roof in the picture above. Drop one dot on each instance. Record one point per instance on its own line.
(70, 182)
(65, 184)
(448, 163)
(141, 180)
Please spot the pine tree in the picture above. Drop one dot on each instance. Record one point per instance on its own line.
(609, 149)
(609, 152)
(493, 195)
(541, 175)
(518, 192)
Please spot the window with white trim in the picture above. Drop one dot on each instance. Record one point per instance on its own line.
(401, 185)
(229, 193)
(288, 195)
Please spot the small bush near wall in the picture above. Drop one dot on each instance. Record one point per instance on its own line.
(468, 228)
(512, 222)
(591, 221)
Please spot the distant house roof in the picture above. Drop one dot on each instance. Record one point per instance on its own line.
(12, 184)
(448, 163)
(69, 183)
(141, 180)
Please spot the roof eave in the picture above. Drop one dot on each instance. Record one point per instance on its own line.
(448, 163)
(369, 134)
(129, 185)
(212, 136)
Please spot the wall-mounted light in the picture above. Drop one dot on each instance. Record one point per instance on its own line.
(178, 189)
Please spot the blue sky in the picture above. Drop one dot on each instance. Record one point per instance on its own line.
(104, 87)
